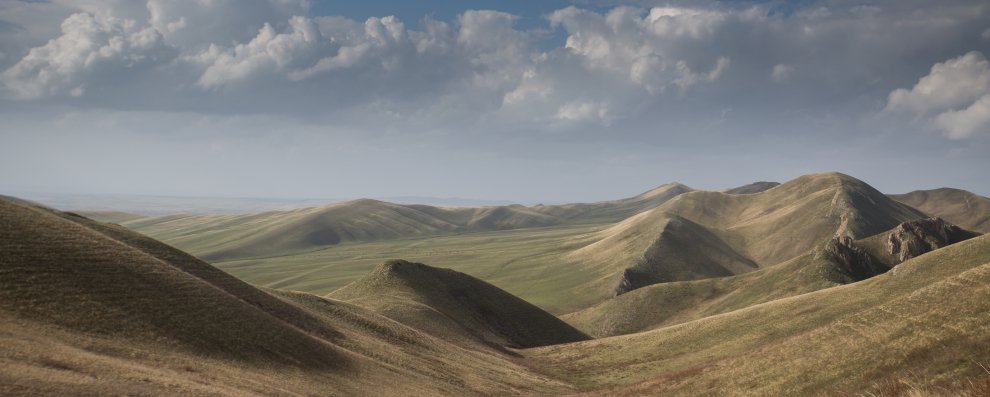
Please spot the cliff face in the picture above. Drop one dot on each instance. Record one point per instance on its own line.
(911, 239)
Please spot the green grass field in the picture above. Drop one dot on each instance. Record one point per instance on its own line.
(528, 263)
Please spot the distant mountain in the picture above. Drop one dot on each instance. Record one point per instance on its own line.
(755, 187)
(444, 201)
(839, 261)
(225, 237)
(971, 211)
(150, 205)
(704, 234)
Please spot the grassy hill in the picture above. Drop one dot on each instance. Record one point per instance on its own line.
(88, 308)
(455, 306)
(835, 263)
(923, 322)
(561, 268)
(971, 211)
(734, 234)
(95, 309)
(278, 233)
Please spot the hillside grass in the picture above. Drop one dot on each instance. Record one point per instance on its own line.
(529, 263)
(926, 319)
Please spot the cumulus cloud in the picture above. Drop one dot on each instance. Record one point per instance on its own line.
(638, 45)
(967, 122)
(89, 46)
(955, 93)
(250, 56)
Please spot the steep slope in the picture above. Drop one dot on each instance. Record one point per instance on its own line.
(925, 320)
(94, 309)
(839, 261)
(971, 211)
(456, 306)
(61, 272)
(762, 228)
(755, 187)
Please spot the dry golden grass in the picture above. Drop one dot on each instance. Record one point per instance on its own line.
(971, 211)
(93, 309)
(928, 317)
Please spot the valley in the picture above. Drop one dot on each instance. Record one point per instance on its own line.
(818, 284)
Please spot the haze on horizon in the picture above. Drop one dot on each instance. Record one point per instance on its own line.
(558, 101)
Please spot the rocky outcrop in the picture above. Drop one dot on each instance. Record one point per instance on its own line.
(913, 238)
(851, 260)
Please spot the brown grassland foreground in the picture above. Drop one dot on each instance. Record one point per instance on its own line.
(91, 308)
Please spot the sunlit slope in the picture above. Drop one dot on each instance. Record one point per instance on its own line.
(455, 305)
(227, 237)
(733, 234)
(95, 309)
(971, 211)
(838, 262)
(925, 319)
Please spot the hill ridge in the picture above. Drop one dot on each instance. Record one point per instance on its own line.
(482, 311)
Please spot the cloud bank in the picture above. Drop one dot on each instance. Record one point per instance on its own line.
(731, 82)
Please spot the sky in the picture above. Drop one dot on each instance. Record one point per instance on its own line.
(545, 101)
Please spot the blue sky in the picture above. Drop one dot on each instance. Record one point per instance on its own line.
(511, 100)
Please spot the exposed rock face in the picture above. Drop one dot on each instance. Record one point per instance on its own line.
(913, 238)
(851, 260)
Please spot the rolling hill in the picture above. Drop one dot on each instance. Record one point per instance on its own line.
(717, 234)
(924, 323)
(455, 306)
(837, 262)
(278, 233)
(89, 308)
(95, 309)
(971, 211)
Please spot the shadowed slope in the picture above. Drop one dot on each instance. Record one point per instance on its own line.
(971, 211)
(837, 262)
(94, 309)
(762, 229)
(925, 319)
(682, 250)
(458, 306)
(61, 272)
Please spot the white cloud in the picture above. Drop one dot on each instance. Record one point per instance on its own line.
(955, 95)
(90, 45)
(950, 84)
(229, 56)
(641, 46)
(965, 123)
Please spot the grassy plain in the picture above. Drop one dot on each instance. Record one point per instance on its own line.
(529, 263)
